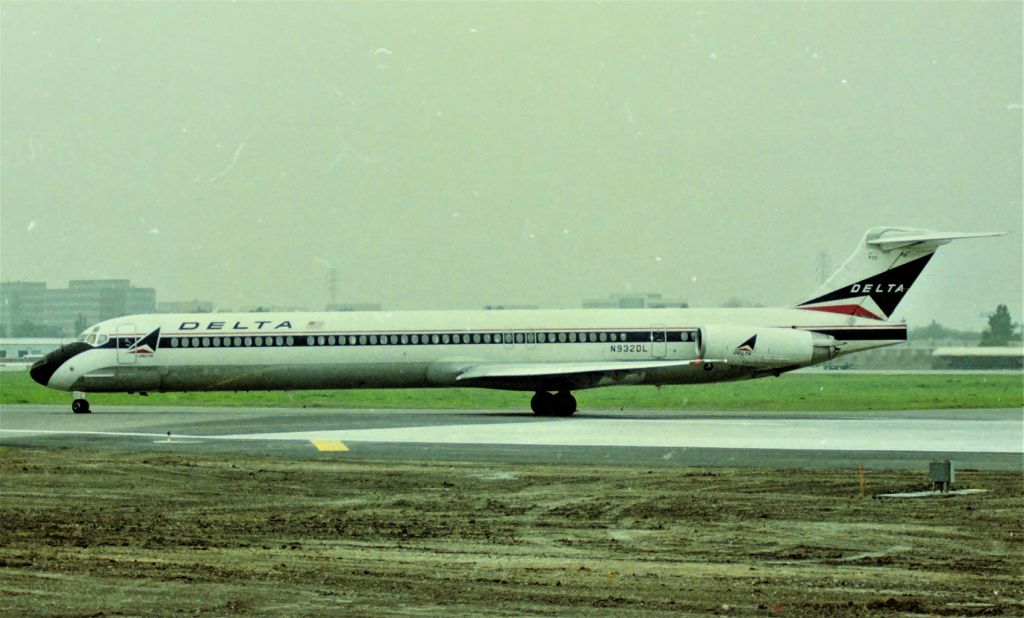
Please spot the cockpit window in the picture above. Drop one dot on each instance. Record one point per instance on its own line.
(94, 339)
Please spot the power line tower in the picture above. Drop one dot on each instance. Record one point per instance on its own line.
(332, 284)
(824, 262)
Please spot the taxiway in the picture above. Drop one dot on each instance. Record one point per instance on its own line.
(984, 439)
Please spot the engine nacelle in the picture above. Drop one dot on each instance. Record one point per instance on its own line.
(764, 346)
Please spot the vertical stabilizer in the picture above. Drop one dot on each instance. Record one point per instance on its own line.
(873, 281)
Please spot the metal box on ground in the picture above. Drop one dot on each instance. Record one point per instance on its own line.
(943, 474)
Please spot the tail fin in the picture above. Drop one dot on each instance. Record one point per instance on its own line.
(875, 278)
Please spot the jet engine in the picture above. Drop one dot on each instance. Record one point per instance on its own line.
(764, 346)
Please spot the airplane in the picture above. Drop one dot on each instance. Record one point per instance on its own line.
(548, 352)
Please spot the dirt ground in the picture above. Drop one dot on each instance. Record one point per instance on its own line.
(100, 533)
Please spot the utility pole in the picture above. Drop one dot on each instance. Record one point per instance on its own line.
(332, 284)
(824, 266)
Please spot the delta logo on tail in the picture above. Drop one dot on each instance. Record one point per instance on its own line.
(875, 297)
(747, 347)
(146, 346)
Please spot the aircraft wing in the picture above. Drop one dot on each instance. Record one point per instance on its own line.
(562, 376)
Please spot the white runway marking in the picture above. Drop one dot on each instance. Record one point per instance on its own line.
(788, 434)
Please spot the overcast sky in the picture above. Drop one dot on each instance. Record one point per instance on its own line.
(458, 155)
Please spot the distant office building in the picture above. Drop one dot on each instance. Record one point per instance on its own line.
(353, 307)
(185, 306)
(634, 301)
(267, 309)
(22, 301)
(506, 307)
(30, 309)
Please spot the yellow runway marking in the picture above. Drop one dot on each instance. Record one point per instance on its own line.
(329, 445)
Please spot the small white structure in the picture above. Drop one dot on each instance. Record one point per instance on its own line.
(977, 357)
(27, 349)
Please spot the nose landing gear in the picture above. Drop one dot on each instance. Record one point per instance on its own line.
(80, 405)
(548, 404)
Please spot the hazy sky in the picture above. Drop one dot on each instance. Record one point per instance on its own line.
(456, 155)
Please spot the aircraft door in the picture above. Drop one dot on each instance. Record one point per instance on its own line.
(659, 342)
(126, 338)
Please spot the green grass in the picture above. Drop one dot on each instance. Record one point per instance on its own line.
(790, 392)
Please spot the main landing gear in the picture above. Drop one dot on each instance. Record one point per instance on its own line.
(80, 405)
(549, 404)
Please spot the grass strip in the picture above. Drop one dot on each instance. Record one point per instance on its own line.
(796, 392)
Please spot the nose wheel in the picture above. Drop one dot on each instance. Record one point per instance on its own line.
(548, 404)
(80, 406)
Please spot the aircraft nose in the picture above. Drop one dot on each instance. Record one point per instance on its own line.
(42, 370)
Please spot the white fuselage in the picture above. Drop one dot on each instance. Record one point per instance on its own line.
(555, 349)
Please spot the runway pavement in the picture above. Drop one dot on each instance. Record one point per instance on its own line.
(988, 439)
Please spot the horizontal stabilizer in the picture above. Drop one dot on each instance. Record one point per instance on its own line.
(934, 239)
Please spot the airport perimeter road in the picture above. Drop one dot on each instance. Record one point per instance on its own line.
(983, 439)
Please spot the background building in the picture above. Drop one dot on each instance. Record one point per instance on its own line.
(30, 309)
(501, 307)
(185, 306)
(353, 307)
(650, 300)
(19, 352)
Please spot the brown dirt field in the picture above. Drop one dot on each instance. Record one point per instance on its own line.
(99, 533)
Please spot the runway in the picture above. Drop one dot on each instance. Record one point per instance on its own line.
(984, 439)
